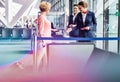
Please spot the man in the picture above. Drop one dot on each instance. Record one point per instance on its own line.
(71, 23)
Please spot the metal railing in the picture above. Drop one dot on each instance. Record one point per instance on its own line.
(35, 39)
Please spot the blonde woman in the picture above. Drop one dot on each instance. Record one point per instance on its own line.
(44, 30)
(44, 27)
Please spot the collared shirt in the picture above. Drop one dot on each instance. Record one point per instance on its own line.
(74, 16)
(84, 17)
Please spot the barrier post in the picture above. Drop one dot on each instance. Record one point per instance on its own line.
(35, 52)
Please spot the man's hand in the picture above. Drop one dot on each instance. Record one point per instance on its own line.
(72, 25)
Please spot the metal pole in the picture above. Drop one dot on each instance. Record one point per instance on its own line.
(119, 27)
(35, 52)
(35, 46)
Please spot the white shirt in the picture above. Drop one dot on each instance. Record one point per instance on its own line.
(74, 17)
(84, 17)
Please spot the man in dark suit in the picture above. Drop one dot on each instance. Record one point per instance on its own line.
(85, 20)
(71, 22)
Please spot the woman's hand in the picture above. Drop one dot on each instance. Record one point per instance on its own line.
(41, 35)
(54, 30)
(68, 30)
(85, 28)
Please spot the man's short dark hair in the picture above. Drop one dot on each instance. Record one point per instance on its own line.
(75, 4)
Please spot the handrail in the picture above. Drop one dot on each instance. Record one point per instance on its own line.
(72, 38)
(63, 38)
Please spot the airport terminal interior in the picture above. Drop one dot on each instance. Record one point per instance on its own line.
(69, 60)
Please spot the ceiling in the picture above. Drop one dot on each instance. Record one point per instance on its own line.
(18, 6)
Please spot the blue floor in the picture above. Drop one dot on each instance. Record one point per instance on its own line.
(13, 50)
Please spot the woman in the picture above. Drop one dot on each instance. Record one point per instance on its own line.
(44, 25)
(44, 30)
(86, 21)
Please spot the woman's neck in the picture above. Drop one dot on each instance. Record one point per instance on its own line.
(44, 13)
(85, 11)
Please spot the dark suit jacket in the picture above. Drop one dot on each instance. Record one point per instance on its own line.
(70, 20)
(89, 21)
(74, 32)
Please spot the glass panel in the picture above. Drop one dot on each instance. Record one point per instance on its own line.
(58, 20)
(111, 24)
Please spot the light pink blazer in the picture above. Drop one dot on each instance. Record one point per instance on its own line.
(44, 26)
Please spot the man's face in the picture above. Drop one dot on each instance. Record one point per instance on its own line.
(75, 9)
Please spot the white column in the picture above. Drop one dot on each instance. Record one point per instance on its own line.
(66, 8)
(8, 11)
(99, 29)
(66, 11)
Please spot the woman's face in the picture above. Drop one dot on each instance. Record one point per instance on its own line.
(82, 9)
(48, 10)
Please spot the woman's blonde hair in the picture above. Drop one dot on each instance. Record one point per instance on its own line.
(83, 4)
(44, 6)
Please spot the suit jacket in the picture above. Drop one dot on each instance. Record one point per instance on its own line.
(44, 27)
(75, 31)
(89, 21)
(71, 20)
